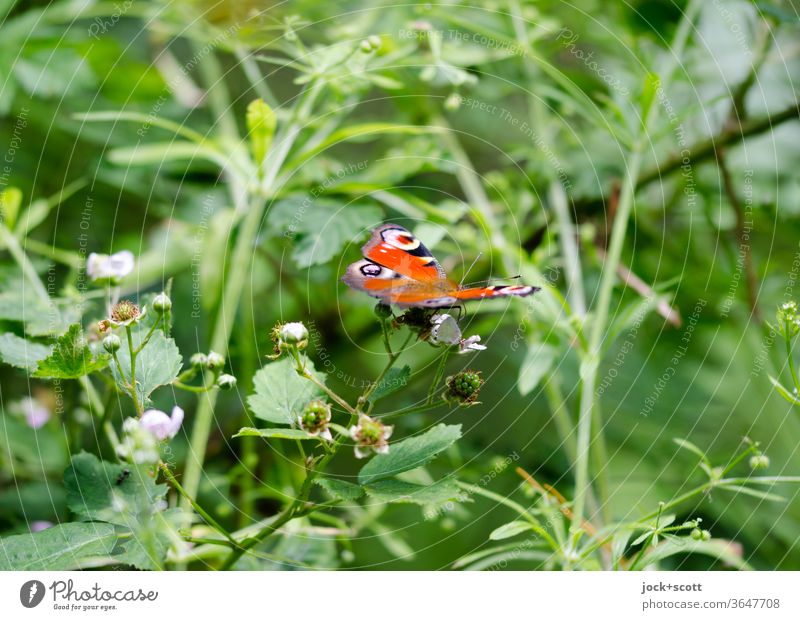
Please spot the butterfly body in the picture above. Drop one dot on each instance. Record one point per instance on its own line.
(398, 269)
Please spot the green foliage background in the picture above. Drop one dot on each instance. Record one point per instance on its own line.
(543, 100)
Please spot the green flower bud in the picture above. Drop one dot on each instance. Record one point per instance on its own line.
(375, 42)
(162, 303)
(365, 46)
(697, 534)
(214, 361)
(199, 360)
(226, 382)
(112, 343)
(261, 123)
(293, 334)
(383, 311)
(788, 319)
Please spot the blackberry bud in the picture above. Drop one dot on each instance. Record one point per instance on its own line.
(162, 303)
(214, 361)
(383, 312)
(199, 360)
(465, 386)
(226, 382)
(112, 343)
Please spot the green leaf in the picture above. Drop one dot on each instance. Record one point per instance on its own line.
(277, 433)
(71, 357)
(509, 529)
(323, 230)
(402, 492)
(688, 445)
(735, 488)
(722, 550)
(281, 393)
(60, 547)
(100, 491)
(409, 453)
(537, 363)
(157, 364)
(339, 489)
(395, 379)
(20, 352)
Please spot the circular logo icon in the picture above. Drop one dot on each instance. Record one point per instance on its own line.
(31, 593)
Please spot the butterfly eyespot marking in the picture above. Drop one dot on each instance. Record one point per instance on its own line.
(371, 269)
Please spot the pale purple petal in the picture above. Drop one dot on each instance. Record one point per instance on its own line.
(175, 421)
(38, 526)
(36, 414)
(157, 423)
(445, 330)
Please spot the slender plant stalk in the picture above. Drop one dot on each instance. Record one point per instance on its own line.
(592, 357)
(234, 283)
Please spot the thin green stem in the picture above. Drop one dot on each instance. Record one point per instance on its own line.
(789, 356)
(198, 508)
(592, 357)
(438, 376)
(134, 394)
(29, 271)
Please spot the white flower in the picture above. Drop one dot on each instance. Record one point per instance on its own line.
(105, 268)
(370, 435)
(444, 330)
(471, 344)
(293, 333)
(138, 444)
(160, 425)
(36, 414)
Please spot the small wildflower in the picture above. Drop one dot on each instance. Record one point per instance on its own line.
(105, 268)
(370, 435)
(314, 419)
(464, 387)
(160, 425)
(162, 303)
(123, 314)
(38, 526)
(759, 461)
(138, 444)
(36, 414)
(199, 360)
(226, 382)
(788, 319)
(112, 343)
(471, 344)
(214, 361)
(453, 102)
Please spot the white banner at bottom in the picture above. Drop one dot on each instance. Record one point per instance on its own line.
(398, 595)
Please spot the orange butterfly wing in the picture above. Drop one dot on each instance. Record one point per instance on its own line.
(399, 269)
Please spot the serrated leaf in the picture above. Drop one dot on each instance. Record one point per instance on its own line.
(339, 489)
(71, 357)
(281, 393)
(509, 529)
(100, 491)
(537, 363)
(410, 453)
(402, 492)
(21, 353)
(395, 379)
(277, 433)
(157, 364)
(60, 547)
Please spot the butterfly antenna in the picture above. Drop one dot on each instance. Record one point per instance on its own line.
(466, 273)
(493, 280)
